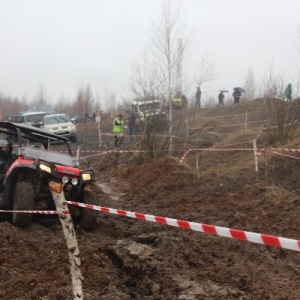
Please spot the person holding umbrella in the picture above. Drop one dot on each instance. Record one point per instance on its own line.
(236, 95)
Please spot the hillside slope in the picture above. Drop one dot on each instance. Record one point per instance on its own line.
(127, 258)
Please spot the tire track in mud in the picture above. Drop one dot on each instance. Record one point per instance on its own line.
(107, 188)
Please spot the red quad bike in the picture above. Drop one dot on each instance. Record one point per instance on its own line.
(26, 182)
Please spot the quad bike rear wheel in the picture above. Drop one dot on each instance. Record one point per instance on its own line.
(23, 200)
(88, 219)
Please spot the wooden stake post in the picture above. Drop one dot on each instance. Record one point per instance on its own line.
(98, 120)
(255, 155)
(69, 233)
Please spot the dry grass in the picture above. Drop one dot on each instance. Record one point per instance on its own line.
(276, 195)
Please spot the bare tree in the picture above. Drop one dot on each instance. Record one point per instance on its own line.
(281, 117)
(206, 71)
(143, 81)
(41, 96)
(64, 105)
(282, 120)
(84, 100)
(250, 85)
(273, 84)
(88, 99)
(11, 106)
(166, 34)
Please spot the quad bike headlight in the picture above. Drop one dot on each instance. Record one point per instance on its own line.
(86, 176)
(74, 181)
(45, 168)
(65, 179)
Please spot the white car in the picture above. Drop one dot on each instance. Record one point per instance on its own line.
(60, 124)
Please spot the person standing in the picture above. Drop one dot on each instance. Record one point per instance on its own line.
(6, 158)
(198, 97)
(236, 96)
(118, 130)
(184, 101)
(131, 127)
(288, 93)
(221, 98)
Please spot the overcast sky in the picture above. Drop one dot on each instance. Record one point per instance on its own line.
(64, 44)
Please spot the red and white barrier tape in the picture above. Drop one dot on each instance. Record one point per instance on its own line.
(285, 149)
(184, 156)
(214, 150)
(225, 116)
(274, 150)
(227, 125)
(222, 149)
(282, 154)
(41, 212)
(111, 151)
(268, 240)
(253, 237)
(260, 152)
(241, 143)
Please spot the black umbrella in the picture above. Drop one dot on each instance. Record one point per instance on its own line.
(240, 89)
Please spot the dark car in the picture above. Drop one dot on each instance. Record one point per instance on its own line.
(79, 118)
(84, 117)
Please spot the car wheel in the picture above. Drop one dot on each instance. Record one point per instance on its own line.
(88, 220)
(23, 200)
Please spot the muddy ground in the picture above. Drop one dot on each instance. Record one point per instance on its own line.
(127, 258)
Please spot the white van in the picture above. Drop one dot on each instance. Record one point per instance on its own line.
(146, 108)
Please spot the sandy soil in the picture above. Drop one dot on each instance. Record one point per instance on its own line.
(127, 258)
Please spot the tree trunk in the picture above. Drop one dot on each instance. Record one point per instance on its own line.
(69, 233)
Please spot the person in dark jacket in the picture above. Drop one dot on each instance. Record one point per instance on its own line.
(6, 158)
(184, 101)
(198, 97)
(221, 98)
(236, 96)
(131, 127)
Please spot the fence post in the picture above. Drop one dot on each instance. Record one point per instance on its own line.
(246, 120)
(266, 163)
(78, 152)
(71, 241)
(98, 120)
(255, 155)
(197, 165)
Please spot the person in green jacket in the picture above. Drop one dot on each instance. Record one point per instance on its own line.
(118, 130)
(288, 93)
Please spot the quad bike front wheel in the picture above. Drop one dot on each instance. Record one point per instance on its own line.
(88, 219)
(23, 200)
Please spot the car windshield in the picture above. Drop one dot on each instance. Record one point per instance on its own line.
(34, 118)
(57, 119)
